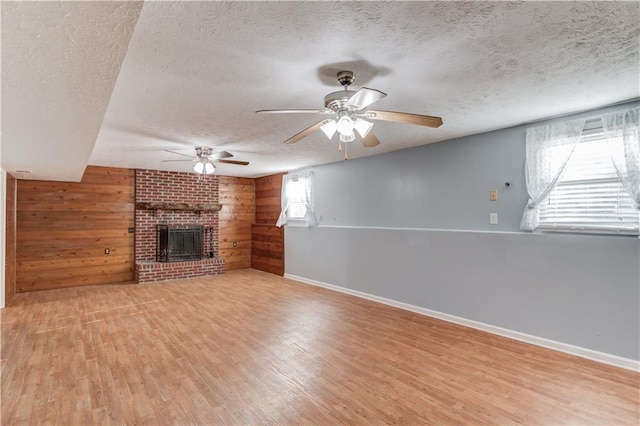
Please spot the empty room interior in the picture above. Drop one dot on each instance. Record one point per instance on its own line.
(320, 213)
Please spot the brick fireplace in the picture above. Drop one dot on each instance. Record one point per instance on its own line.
(177, 200)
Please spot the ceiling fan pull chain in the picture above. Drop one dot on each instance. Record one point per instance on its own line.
(346, 154)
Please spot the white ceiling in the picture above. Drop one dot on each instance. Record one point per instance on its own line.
(60, 62)
(195, 72)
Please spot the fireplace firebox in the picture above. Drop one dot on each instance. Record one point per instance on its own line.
(179, 243)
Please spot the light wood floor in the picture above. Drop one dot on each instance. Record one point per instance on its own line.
(249, 347)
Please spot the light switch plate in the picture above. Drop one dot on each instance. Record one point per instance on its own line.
(493, 218)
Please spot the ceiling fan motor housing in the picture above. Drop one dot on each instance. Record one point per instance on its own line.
(203, 151)
(337, 101)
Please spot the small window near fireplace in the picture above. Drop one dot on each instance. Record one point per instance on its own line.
(179, 243)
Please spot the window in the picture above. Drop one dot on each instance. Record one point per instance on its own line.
(297, 200)
(589, 195)
(297, 197)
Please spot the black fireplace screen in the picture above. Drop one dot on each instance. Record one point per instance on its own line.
(177, 244)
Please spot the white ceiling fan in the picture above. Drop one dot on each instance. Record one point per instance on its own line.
(206, 157)
(350, 114)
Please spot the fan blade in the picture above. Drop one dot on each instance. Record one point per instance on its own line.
(365, 97)
(221, 154)
(306, 132)
(368, 141)
(294, 111)
(240, 163)
(178, 153)
(171, 161)
(404, 117)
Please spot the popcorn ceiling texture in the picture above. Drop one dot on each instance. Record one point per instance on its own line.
(60, 61)
(195, 72)
(154, 186)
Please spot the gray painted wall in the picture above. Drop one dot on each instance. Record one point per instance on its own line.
(578, 289)
(444, 185)
(570, 288)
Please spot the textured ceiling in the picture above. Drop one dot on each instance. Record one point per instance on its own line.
(195, 72)
(60, 61)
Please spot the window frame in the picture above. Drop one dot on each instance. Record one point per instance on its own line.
(299, 220)
(309, 217)
(593, 131)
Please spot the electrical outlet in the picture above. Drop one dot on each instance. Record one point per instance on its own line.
(493, 195)
(493, 218)
(131, 230)
(107, 251)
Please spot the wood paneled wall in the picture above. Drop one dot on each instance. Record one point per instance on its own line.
(63, 229)
(267, 248)
(10, 241)
(237, 196)
(267, 240)
(268, 191)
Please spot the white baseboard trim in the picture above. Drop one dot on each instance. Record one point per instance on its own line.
(617, 361)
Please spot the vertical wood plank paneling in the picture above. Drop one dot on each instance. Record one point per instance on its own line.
(63, 229)
(268, 190)
(237, 196)
(267, 248)
(10, 242)
(267, 240)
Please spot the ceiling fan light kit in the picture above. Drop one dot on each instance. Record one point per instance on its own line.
(204, 167)
(205, 157)
(329, 128)
(363, 127)
(348, 108)
(347, 138)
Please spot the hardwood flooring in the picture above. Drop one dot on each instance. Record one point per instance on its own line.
(249, 347)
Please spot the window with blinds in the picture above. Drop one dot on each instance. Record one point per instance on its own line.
(296, 193)
(589, 197)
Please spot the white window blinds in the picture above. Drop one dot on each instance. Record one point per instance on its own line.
(296, 194)
(589, 195)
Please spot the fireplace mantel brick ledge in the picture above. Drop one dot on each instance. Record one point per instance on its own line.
(189, 207)
(149, 270)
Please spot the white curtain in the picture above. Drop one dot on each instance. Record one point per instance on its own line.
(309, 216)
(621, 129)
(285, 202)
(293, 201)
(548, 148)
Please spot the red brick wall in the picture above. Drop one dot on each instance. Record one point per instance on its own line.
(154, 186)
(157, 271)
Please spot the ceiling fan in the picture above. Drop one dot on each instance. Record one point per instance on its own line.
(349, 111)
(205, 157)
